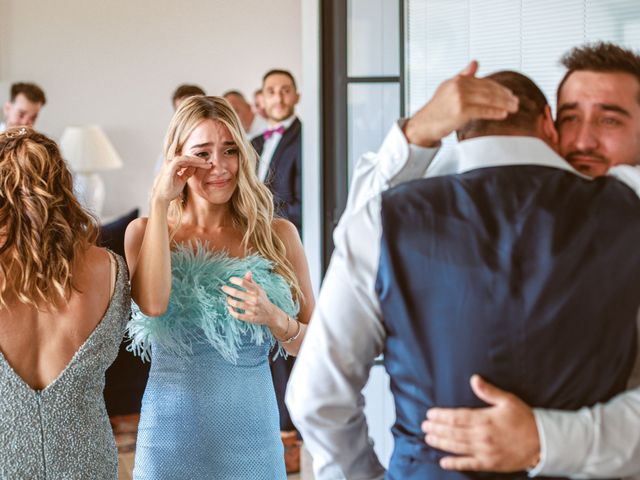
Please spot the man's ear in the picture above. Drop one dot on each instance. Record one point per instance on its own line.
(6, 108)
(548, 128)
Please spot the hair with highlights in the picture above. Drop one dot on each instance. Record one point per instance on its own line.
(251, 204)
(43, 227)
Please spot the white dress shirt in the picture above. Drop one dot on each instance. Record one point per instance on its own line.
(270, 146)
(3, 127)
(346, 334)
(258, 125)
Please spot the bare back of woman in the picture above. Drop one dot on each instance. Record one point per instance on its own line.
(39, 343)
(64, 304)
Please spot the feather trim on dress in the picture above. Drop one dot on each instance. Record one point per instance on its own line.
(198, 307)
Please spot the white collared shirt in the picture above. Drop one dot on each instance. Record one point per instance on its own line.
(3, 127)
(270, 146)
(257, 127)
(346, 332)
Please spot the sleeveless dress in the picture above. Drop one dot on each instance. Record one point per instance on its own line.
(63, 431)
(209, 409)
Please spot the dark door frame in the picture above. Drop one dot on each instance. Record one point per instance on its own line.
(334, 125)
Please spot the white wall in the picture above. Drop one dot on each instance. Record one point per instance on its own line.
(311, 166)
(116, 63)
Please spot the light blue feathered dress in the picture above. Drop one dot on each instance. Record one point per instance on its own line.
(209, 409)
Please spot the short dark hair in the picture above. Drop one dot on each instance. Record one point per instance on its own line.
(237, 93)
(604, 57)
(277, 71)
(186, 90)
(531, 104)
(30, 90)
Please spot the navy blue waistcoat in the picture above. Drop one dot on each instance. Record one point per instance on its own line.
(526, 275)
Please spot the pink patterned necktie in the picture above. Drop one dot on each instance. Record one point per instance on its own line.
(269, 133)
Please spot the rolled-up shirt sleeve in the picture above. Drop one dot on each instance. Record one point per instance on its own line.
(344, 337)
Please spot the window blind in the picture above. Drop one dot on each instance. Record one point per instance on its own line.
(525, 35)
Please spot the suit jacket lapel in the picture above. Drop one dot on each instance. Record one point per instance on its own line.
(258, 144)
(289, 136)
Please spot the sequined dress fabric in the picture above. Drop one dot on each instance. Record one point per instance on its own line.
(209, 410)
(63, 431)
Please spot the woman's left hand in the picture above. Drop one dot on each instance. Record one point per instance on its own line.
(257, 307)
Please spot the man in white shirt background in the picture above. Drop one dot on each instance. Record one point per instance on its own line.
(252, 123)
(24, 105)
(602, 441)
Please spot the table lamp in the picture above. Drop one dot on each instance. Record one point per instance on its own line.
(88, 151)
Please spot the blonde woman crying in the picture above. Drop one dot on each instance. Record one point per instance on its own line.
(217, 281)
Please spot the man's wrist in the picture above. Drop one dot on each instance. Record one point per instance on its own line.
(412, 133)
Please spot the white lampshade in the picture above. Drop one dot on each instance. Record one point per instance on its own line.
(87, 149)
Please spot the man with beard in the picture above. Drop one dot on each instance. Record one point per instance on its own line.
(280, 168)
(471, 273)
(598, 121)
(280, 146)
(599, 126)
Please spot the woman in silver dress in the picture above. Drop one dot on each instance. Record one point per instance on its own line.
(64, 304)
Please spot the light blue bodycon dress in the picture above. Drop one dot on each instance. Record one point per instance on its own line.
(209, 410)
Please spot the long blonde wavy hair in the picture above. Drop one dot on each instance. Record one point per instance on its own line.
(251, 203)
(43, 228)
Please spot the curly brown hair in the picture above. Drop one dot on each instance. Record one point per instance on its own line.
(43, 228)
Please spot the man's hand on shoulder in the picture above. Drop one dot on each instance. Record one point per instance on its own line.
(455, 102)
(500, 438)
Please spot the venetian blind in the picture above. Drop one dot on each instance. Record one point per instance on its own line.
(525, 35)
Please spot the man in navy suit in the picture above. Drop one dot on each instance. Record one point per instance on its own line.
(280, 146)
(280, 168)
(501, 269)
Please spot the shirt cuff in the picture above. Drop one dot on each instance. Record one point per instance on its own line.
(564, 441)
(537, 469)
(404, 161)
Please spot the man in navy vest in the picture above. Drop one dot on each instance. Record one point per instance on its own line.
(599, 130)
(516, 268)
(599, 126)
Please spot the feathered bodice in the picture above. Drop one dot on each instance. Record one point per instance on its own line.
(197, 309)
